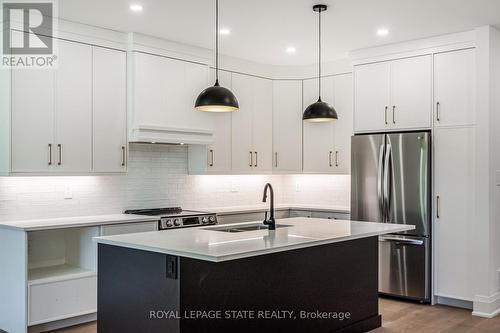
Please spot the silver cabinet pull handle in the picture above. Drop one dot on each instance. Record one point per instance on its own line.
(211, 158)
(124, 156)
(276, 159)
(337, 158)
(393, 114)
(385, 115)
(330, 158)
(50, 153)
(438, 111)
(438, 202)
(59, 154)
(251, 159)
(256, 160)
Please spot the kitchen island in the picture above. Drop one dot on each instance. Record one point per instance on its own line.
(308, 275)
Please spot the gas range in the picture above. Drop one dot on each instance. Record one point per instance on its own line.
(176, 217)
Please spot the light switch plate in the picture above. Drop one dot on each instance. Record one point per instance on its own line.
(298, 187)
(235, 186)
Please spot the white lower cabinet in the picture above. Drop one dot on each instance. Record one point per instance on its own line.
(454, 211)
(56, 300)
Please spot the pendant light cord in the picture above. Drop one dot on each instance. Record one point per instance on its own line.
(319, 54)
(216, 42)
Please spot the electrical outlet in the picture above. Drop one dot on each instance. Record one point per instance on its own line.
(298, 187)
(235, 187)
(68, 192)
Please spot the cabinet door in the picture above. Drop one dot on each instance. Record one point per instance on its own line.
(196, 79)
(241, 124)
(343, 129)
(74, 107)
(454, 212)
(262, 124)
(411, 90)
(110, 110)
(32, 120)
(219, 153)
(372, 96)
(454, 83)
(287, 125)
(149, 95)
(318, 137)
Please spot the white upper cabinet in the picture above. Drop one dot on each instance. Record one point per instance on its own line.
(215, 157)
(372, 96)
(252, 125)
(411, 93)
(73, 108)
(393, 95)
(63, 119)
(287, 125)
(32, 120)
(343, 127)
(164, 93)
(110, 110)
(454, 88)
(318, 137)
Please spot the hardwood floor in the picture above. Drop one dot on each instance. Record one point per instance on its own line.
(398, 316)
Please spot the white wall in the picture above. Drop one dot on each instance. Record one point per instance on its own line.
(158, 177)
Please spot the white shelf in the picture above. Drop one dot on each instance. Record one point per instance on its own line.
(57, 273)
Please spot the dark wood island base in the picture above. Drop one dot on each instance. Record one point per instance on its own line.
(325, 288)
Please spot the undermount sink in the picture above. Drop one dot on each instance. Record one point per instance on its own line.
(247, 228)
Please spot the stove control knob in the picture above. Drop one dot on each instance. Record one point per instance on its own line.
(204, 220)
(177, 222)
(212, 219)
(169, 224)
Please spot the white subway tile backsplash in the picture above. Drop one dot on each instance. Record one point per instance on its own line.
(157, 176)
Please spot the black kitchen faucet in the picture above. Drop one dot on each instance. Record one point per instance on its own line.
(271, 223)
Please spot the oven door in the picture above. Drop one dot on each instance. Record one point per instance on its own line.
(404, 268)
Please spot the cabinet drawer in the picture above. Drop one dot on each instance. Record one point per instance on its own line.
(129, 228)
(62, 299)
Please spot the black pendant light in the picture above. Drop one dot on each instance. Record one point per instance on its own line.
(216, 98)
(319, 111)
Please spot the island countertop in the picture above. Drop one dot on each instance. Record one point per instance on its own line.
(206, 243)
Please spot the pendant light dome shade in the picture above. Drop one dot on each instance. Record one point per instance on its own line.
(216, 99)
(319, 112)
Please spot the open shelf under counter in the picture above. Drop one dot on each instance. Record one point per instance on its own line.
(57, 273)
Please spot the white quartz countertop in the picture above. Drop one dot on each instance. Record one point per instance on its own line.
(211, 245)
(95, 220)
(74, 222)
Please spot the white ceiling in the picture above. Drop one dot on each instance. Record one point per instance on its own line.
(262, 29)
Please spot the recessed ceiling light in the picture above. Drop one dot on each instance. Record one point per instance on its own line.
(136, 8)
(291, 49)
(225, 31)
(382, 32)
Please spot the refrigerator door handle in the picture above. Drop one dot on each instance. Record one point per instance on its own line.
(401, 240)
(387, 181)
(380, 180)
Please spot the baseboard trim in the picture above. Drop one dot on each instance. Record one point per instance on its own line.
(456, 303)
(487, 306)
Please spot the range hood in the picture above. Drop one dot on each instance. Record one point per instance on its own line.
(170, 135)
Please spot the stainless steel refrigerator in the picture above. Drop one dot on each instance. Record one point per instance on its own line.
(391, 183)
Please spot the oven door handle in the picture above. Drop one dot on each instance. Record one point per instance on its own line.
(401, 240)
